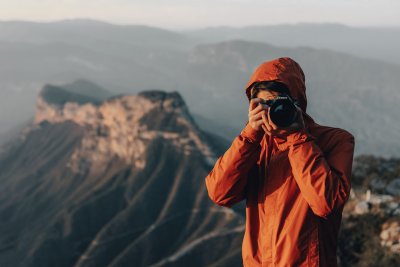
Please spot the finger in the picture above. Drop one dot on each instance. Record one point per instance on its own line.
(255, 110)
(261, 108)
(266, 120)
(254, 119)
(253, 103)
(258, 115)
(258, 123)
(273, 125)
(266, 123)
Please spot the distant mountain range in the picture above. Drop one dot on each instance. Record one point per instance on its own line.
(209, 68)
(379, 43)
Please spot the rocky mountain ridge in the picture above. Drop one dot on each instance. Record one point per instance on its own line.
(108, 183)
(114, 127)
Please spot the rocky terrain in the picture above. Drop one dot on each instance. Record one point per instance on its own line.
(95, 180)
(370, 232)
(109, 182)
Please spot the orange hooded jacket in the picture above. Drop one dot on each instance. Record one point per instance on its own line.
(295, 189)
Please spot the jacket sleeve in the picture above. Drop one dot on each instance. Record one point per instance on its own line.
(227, 180)
(324, 180)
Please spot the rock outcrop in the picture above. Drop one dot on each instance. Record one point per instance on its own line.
(109, 182)
(371, 217)
(123, 125)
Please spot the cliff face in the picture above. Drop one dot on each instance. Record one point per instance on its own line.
(108, 182)
(123, 126)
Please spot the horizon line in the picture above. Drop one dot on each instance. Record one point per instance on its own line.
(192, 28)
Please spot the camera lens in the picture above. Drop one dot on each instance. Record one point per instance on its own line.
(283, 112)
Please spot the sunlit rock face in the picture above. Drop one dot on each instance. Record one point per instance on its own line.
(122, 126)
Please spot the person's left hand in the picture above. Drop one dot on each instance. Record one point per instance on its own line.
(272, 129)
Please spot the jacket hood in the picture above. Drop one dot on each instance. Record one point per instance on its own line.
(287, 71)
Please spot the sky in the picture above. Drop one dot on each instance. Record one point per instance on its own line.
(192, 14)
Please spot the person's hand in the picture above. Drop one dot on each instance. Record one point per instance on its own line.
(256, 109)
(272, 129)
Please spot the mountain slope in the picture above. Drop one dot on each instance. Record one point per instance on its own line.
(89, 33)
(379, 43)
(121, 182)
(359, 95)
(210, 76)
(109, 184)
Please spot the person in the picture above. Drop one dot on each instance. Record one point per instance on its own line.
(295, 180)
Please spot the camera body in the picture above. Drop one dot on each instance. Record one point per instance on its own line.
(283, 111)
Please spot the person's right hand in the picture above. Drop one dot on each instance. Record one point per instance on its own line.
(256, 109)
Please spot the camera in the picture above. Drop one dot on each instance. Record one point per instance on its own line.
(283, 111)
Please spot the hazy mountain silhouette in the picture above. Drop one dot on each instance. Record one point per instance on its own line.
(88, 88)
(368, 42)
(356, 94)
(90, 33)
(346, 91)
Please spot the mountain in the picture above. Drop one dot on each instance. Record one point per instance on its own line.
(115, 56)
(87, 88)
(78, 89)
(92, 34)
(344, 90)
(109, 183)
(379, 43)
(118, 181)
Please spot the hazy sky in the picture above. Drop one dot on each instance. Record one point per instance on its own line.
(181, 14)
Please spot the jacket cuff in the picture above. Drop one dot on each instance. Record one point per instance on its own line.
(251, 134)
(293, 139)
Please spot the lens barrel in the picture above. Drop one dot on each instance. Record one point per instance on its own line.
(283, 111)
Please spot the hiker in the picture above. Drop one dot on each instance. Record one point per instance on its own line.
(295, 179)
